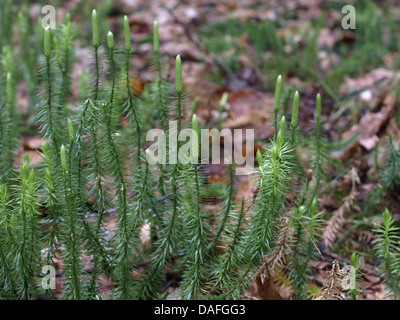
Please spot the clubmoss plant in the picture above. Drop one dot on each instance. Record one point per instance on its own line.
(386, 241)
(6, 143)
(161, 96)
(195, 220)
(8, 277)
(64, 56)
(295, 117)
(47, 114)
(307, 224)
(98, 202)
(25, 247)
(391, 173)
(225, 269)
(277, 102)
(130, 107)
(72, 256)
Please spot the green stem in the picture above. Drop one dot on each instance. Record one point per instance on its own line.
(227, 210)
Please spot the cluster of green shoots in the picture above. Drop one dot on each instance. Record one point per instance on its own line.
(94, 193)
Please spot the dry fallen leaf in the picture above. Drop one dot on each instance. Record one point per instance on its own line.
(266, 288)
(368, 128)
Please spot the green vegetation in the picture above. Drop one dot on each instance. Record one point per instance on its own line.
(94, 192)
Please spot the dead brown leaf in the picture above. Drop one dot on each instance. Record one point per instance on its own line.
(266, 288)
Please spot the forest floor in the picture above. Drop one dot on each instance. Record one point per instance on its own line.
(240, 47)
